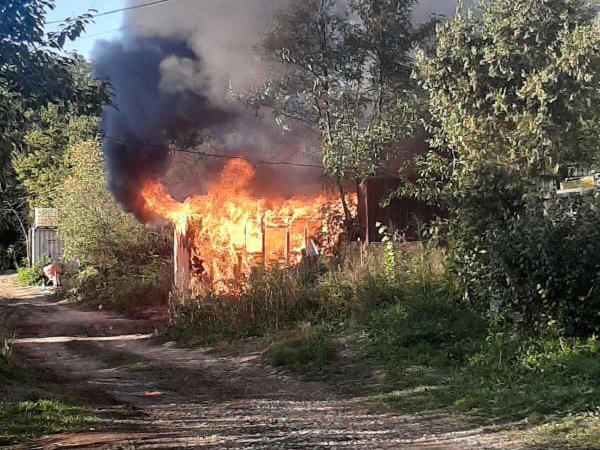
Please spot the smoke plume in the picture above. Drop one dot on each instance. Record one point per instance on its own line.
(171, 71)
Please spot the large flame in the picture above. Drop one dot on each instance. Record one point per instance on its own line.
(234, 231)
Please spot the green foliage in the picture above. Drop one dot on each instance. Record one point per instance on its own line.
(513, 101)
(504, 378)
(30, 276)
(35, 72)
(43, 164)
(502, 118)
(346, 67)
(92, 226)
(127, 285)
(124, 263)
(538, 268)
(312, 349)
(27, 420)
(422, 327)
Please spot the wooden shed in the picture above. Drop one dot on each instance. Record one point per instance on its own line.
(401, 214)
(43, 236)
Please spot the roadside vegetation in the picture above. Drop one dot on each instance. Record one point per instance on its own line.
(24, 420)
(29, 276)
(27, 420)
(494, 316)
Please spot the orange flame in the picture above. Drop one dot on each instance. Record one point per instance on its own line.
(233, 231)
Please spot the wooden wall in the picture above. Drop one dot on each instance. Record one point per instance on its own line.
(401, 214)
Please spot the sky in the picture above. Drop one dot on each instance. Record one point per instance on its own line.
(105, 27)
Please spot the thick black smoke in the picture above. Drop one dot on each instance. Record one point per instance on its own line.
(146, 115)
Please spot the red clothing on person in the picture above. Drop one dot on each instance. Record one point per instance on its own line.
(51, 271)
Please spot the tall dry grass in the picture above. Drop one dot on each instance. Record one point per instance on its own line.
(340, 292)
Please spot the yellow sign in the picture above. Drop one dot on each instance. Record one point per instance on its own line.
(579, 183)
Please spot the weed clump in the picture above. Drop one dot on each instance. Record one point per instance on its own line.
(311, 348)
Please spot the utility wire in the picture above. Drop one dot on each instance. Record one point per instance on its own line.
(85, 36)
(114, 11)
(214, 155)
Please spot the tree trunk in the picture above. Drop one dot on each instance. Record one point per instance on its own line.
(347, 216)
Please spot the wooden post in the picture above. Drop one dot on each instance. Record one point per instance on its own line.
(264, 242)
(287, 246)
(181, 260)
(306, 236)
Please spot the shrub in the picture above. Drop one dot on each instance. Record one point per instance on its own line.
(541, 266)
(423, 326)
(30, 276)
(126, 287)
(124, 263)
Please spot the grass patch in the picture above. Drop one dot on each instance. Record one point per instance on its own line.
(312, 349)
(27, 420)
(574, 431)
(502, 378)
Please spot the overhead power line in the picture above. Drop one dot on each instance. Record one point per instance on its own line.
(114, 11)
(86, 36)
(215, 155)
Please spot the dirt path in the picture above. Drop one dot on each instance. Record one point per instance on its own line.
(153, 396)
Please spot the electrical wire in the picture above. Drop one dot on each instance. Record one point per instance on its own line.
(215, 155)
(114, 11)
(85, 36)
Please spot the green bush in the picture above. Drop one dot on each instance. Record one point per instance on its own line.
(541, 267)
(30, 276)
(126, 287)
(423, 326)
(124, 263)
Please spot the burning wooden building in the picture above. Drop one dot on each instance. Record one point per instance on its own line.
(221, 236)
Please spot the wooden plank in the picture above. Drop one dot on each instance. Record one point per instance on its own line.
(181, 260)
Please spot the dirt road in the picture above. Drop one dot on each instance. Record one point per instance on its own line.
(155, 396)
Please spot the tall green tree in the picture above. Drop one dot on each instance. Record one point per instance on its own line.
(42, 163)
(345, 64)
(94, 228)
(513, 97)
(513, 101)
(34, 72)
